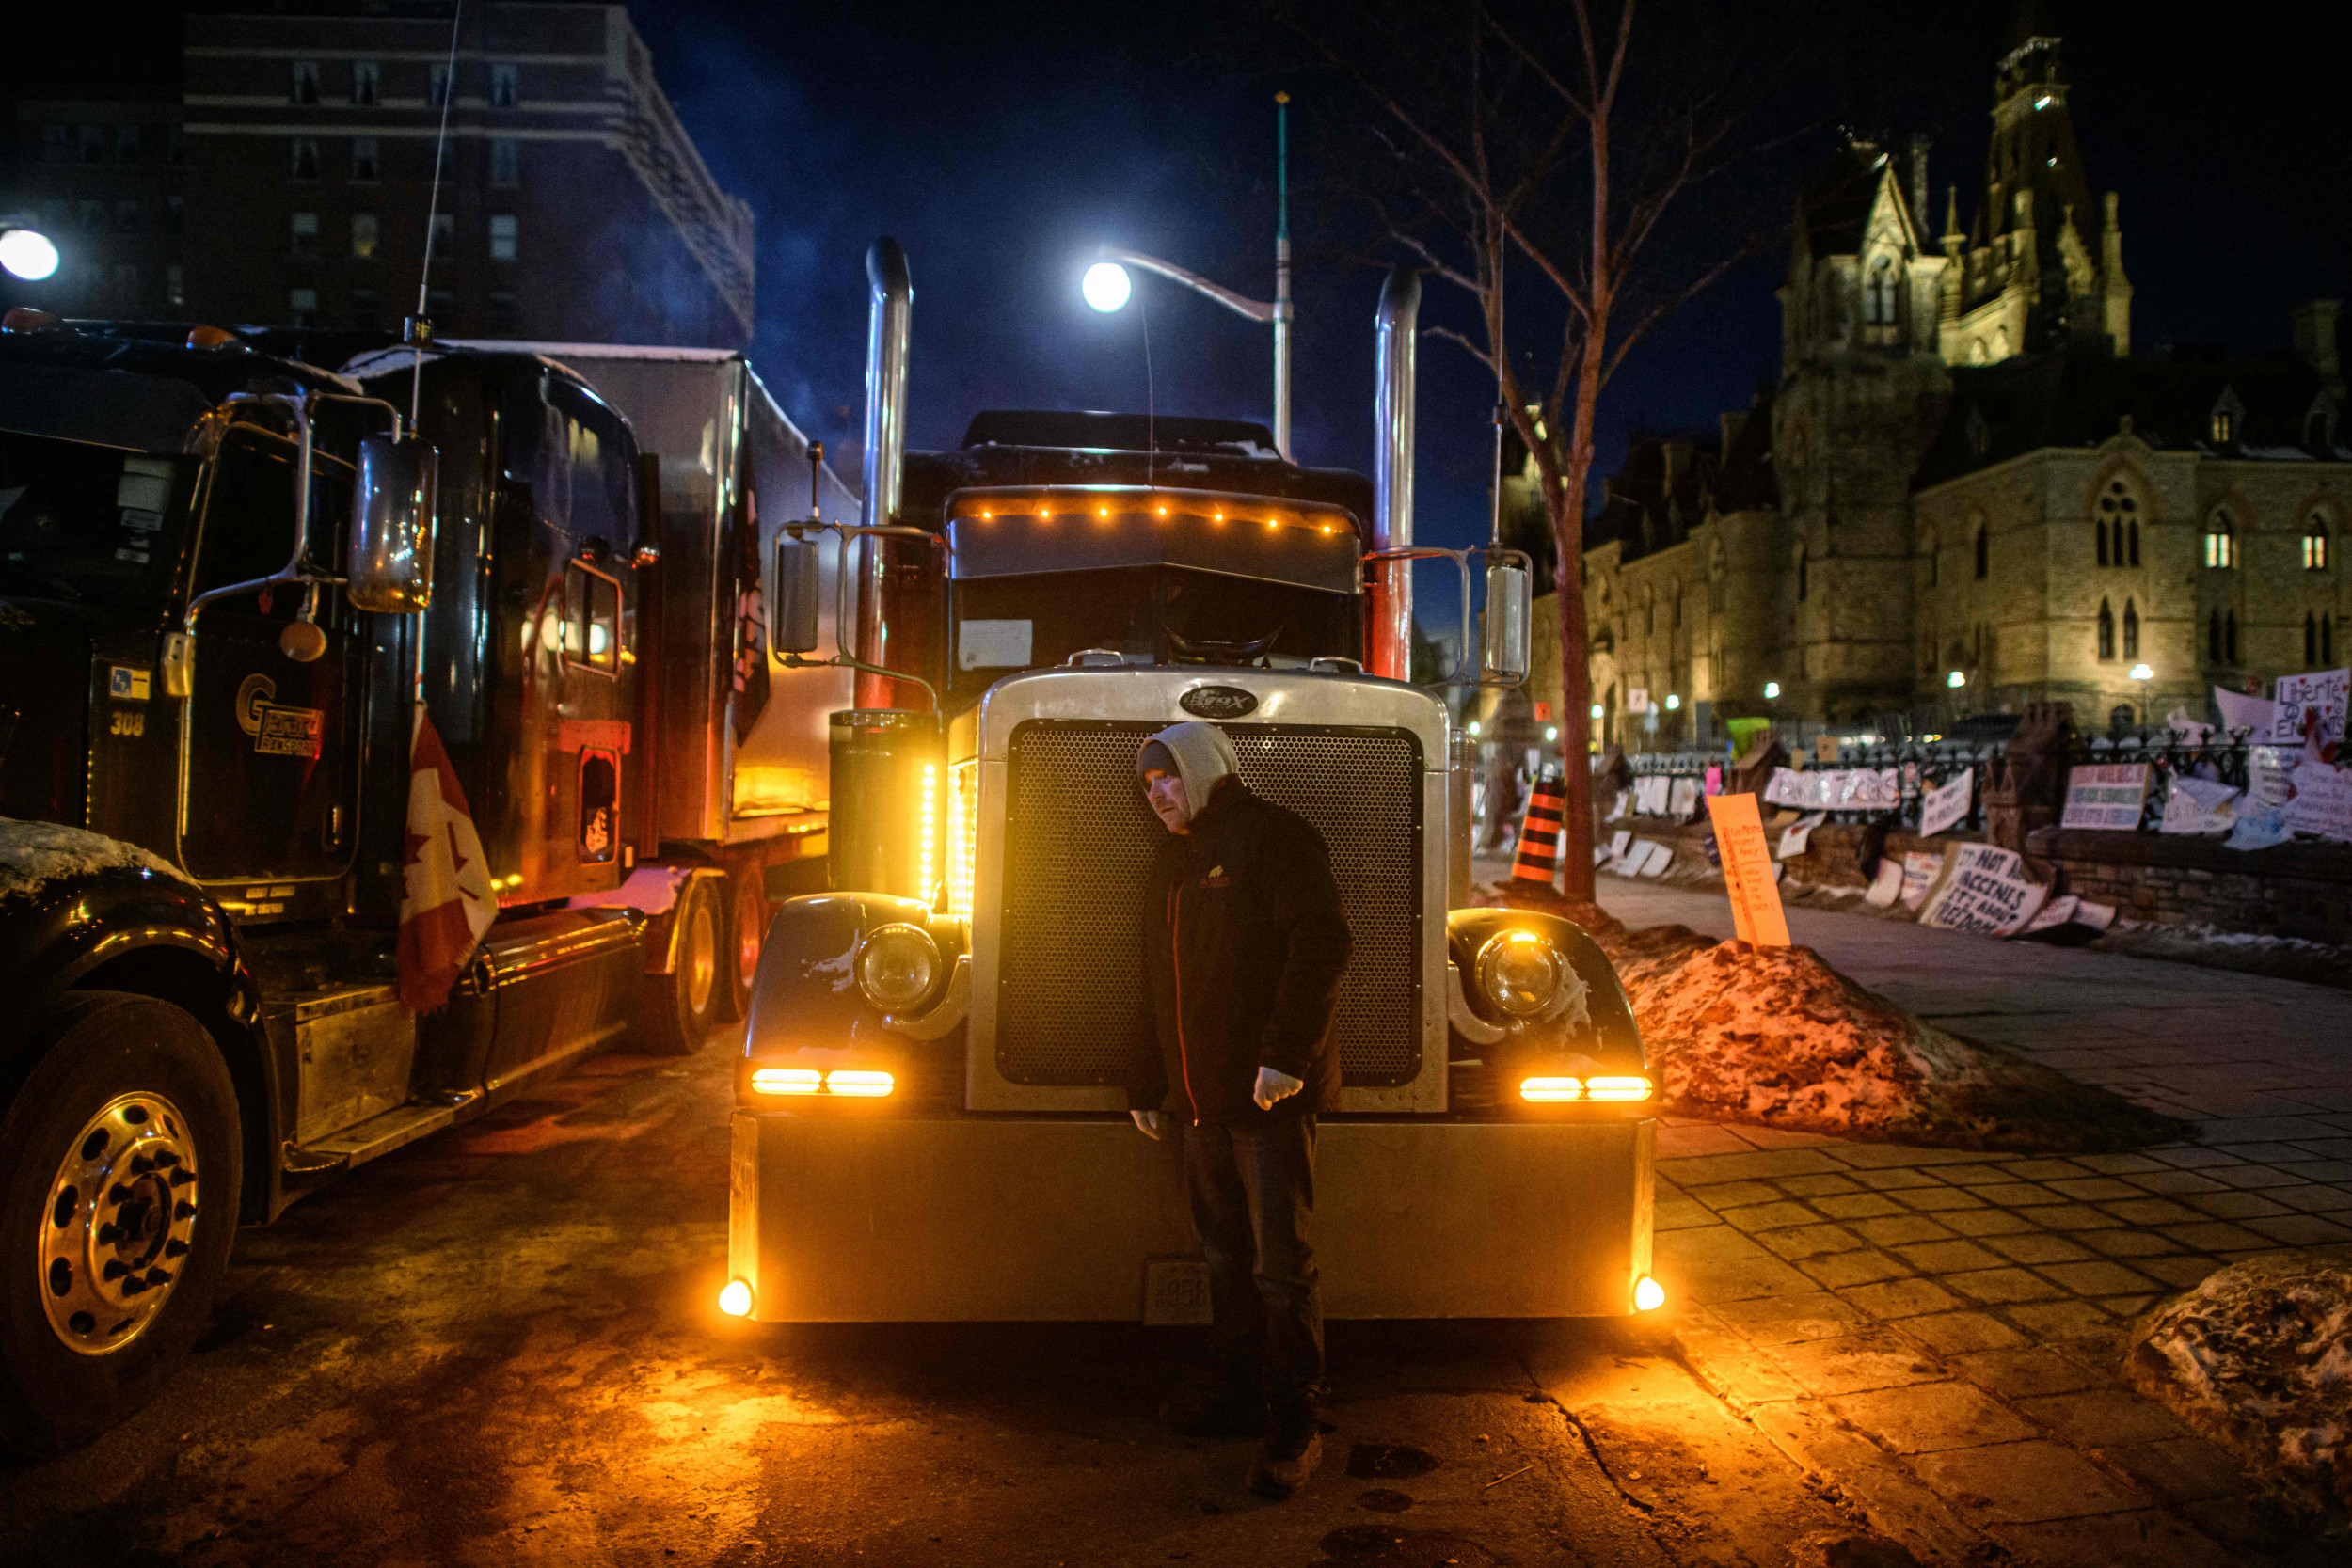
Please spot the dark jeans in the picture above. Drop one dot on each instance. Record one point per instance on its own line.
(1253, 1200)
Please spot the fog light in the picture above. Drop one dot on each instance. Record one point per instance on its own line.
(869, 1085)
(1648, 1295)
(1550, 1088)
(1627, 1087)
(786, 1080)
(735, 1299)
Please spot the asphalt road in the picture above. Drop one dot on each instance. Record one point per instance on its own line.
(499, 1347)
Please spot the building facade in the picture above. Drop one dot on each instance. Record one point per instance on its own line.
(1964, 493)
(296, 181)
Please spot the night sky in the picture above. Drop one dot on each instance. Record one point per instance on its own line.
(1000, 143)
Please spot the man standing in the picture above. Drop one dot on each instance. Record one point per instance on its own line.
(1244, 945)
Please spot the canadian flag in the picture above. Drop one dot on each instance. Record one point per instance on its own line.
(449, 901)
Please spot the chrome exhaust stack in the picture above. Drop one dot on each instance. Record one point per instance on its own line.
(1389, 639)
(891, 312)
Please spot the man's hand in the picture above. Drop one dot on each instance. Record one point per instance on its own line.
(1273, 1086)
(1147, 1123)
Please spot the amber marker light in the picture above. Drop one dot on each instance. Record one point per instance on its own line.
(734, 1299)
(1648, 1295)
(786, 1080)
(866, 1084)
(1550, 1088)
(1628, 1086)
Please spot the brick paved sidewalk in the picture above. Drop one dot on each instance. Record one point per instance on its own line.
(1937, 1333)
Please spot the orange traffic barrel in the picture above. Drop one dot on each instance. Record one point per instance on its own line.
(1538, 856)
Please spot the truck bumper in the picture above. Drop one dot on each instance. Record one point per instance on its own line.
(1009, 1218)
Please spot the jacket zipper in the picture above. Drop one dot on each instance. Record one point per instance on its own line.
(1176, 969)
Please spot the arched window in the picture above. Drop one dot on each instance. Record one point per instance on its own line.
(2131, 629)
(1984, 559)
(2327, 638)
(2213, 638)
(2310, 639)
(2106, 631)
(2221, 539)
(2120, 718)
(1878, 293)
(2316, 542)
(1805, 574)
(2224, 426)
(2117, 510)
(2229, 634)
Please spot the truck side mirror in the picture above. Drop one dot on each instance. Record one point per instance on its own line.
(797, 590)
(391, 566)
(1506, 629)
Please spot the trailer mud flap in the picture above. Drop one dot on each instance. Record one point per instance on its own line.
(991, 1219)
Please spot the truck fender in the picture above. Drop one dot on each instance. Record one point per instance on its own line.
(1600, 1033)
(806, 998)
(654, 892)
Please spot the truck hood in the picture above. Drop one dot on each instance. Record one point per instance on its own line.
(44, 711)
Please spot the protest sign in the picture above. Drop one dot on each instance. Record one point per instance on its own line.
(1792, 839)
(1655, 863)
(1617, 841)
(2198, 806)
(1787, 787)
(1886, 884)
(2058, 911)
(1749, 875)
(1649, 795)
(2187, 731)
(1947, 805)
(1637, 698)
(1683, 798)
(2322, 802)
(1985, 891)
(1919, 873)
(2261, 815)
(2107, 796)
(1617, 808)
(1825, 748)
(2097, 916)
(2242, 712)
(2298, 697)
(1714, 778)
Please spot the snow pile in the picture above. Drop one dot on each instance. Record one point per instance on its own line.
(2259, 1358)
(35, 853)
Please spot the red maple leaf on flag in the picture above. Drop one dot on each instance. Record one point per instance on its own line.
(449, 901)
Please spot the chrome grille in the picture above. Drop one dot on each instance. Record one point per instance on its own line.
(1079, 840)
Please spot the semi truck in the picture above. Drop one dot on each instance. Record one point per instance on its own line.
(230, 581)
(931, 1119)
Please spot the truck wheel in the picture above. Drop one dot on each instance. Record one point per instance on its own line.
(120, 1169)
(677, 1010)
(749, 927)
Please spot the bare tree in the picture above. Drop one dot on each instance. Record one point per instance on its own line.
(1544, 143)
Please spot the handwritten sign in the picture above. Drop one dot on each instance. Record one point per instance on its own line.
(1919, 873)
(1792, 839)
(2323, 801)
(1786, 788)
(1650, 793)
(2058, 911)
(1655, 861)
(2300, 697)
(1749, 876)
(2108, 796)
(1714, 778)
(1947, 805)
(1887, 885)
(2198, 806)
(1683, 798)
(1825, 748)
(1985, 891)
(2241, 712)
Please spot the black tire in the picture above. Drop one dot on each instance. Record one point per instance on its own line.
(747, 931)
(676, 1011)
(146, 1075)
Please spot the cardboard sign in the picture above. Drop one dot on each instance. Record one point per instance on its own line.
(1683, 798)
(2241, 712)
(1749, 878)
(2058, 911)
(2097, 916)
(2322, 802)
(1887, 885)
(1946, 805)
(1825, 750)
(2198, 806)
(1617, 842)
(1655, 861)
(1651, 794)
(2107, 795)
(1792, 839)
(2299, 697)
(1543, 713)
(1637, 698)
(1985, 891)
(1919, 873)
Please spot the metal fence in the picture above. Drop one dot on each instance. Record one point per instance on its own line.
(1926, 765)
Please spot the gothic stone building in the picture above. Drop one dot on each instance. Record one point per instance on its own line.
(1964, 492)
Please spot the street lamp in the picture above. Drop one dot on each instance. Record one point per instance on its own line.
(25, 252)
(1955, 680)
(2141, 673)
(1107, 287)
(1771, 689)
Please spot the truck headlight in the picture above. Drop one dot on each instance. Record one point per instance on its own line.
(897, 965)
(1521, 973)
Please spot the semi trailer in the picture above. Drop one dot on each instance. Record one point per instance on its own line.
(230, 583)
(930, 1115)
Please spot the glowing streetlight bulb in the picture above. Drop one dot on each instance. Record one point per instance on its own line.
(1105, 286)
(1473, 728)
(27, 253)
(1771, 689)
(2141, 672)
(1955, 680)
(1595, 710)
(1551, 732)
(1672, 701)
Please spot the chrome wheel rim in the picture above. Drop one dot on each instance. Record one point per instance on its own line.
(701, 957)
(115, 1236)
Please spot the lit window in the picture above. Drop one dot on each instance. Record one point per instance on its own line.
(304, 233)
(2315, 543)
(364, 165)
(506, 161)
(2222, 539)
(363, 235)
(367, 81)
(2224, 426)
(303, 306)
(306, 82)
(506, 85)
(503, 237)
(306, 158)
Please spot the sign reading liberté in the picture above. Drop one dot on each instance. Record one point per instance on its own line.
(2323, 693)
(1984, 890)
(1749, 877)
(2108, 795)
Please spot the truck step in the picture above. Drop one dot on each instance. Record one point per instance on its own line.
(378, 1135)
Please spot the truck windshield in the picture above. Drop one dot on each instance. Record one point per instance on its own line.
(89, 524)
(1152, 615)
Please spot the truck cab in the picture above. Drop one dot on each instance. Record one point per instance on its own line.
(930, 1115)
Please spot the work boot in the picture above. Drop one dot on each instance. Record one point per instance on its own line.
(1289, 1457)
(1219, 1410)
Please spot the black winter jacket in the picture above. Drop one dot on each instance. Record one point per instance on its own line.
(1244, 946)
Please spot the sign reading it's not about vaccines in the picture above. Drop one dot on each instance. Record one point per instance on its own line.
(1749, 877)
(1984, 890)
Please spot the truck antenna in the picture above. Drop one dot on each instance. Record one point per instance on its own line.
(421, 325)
